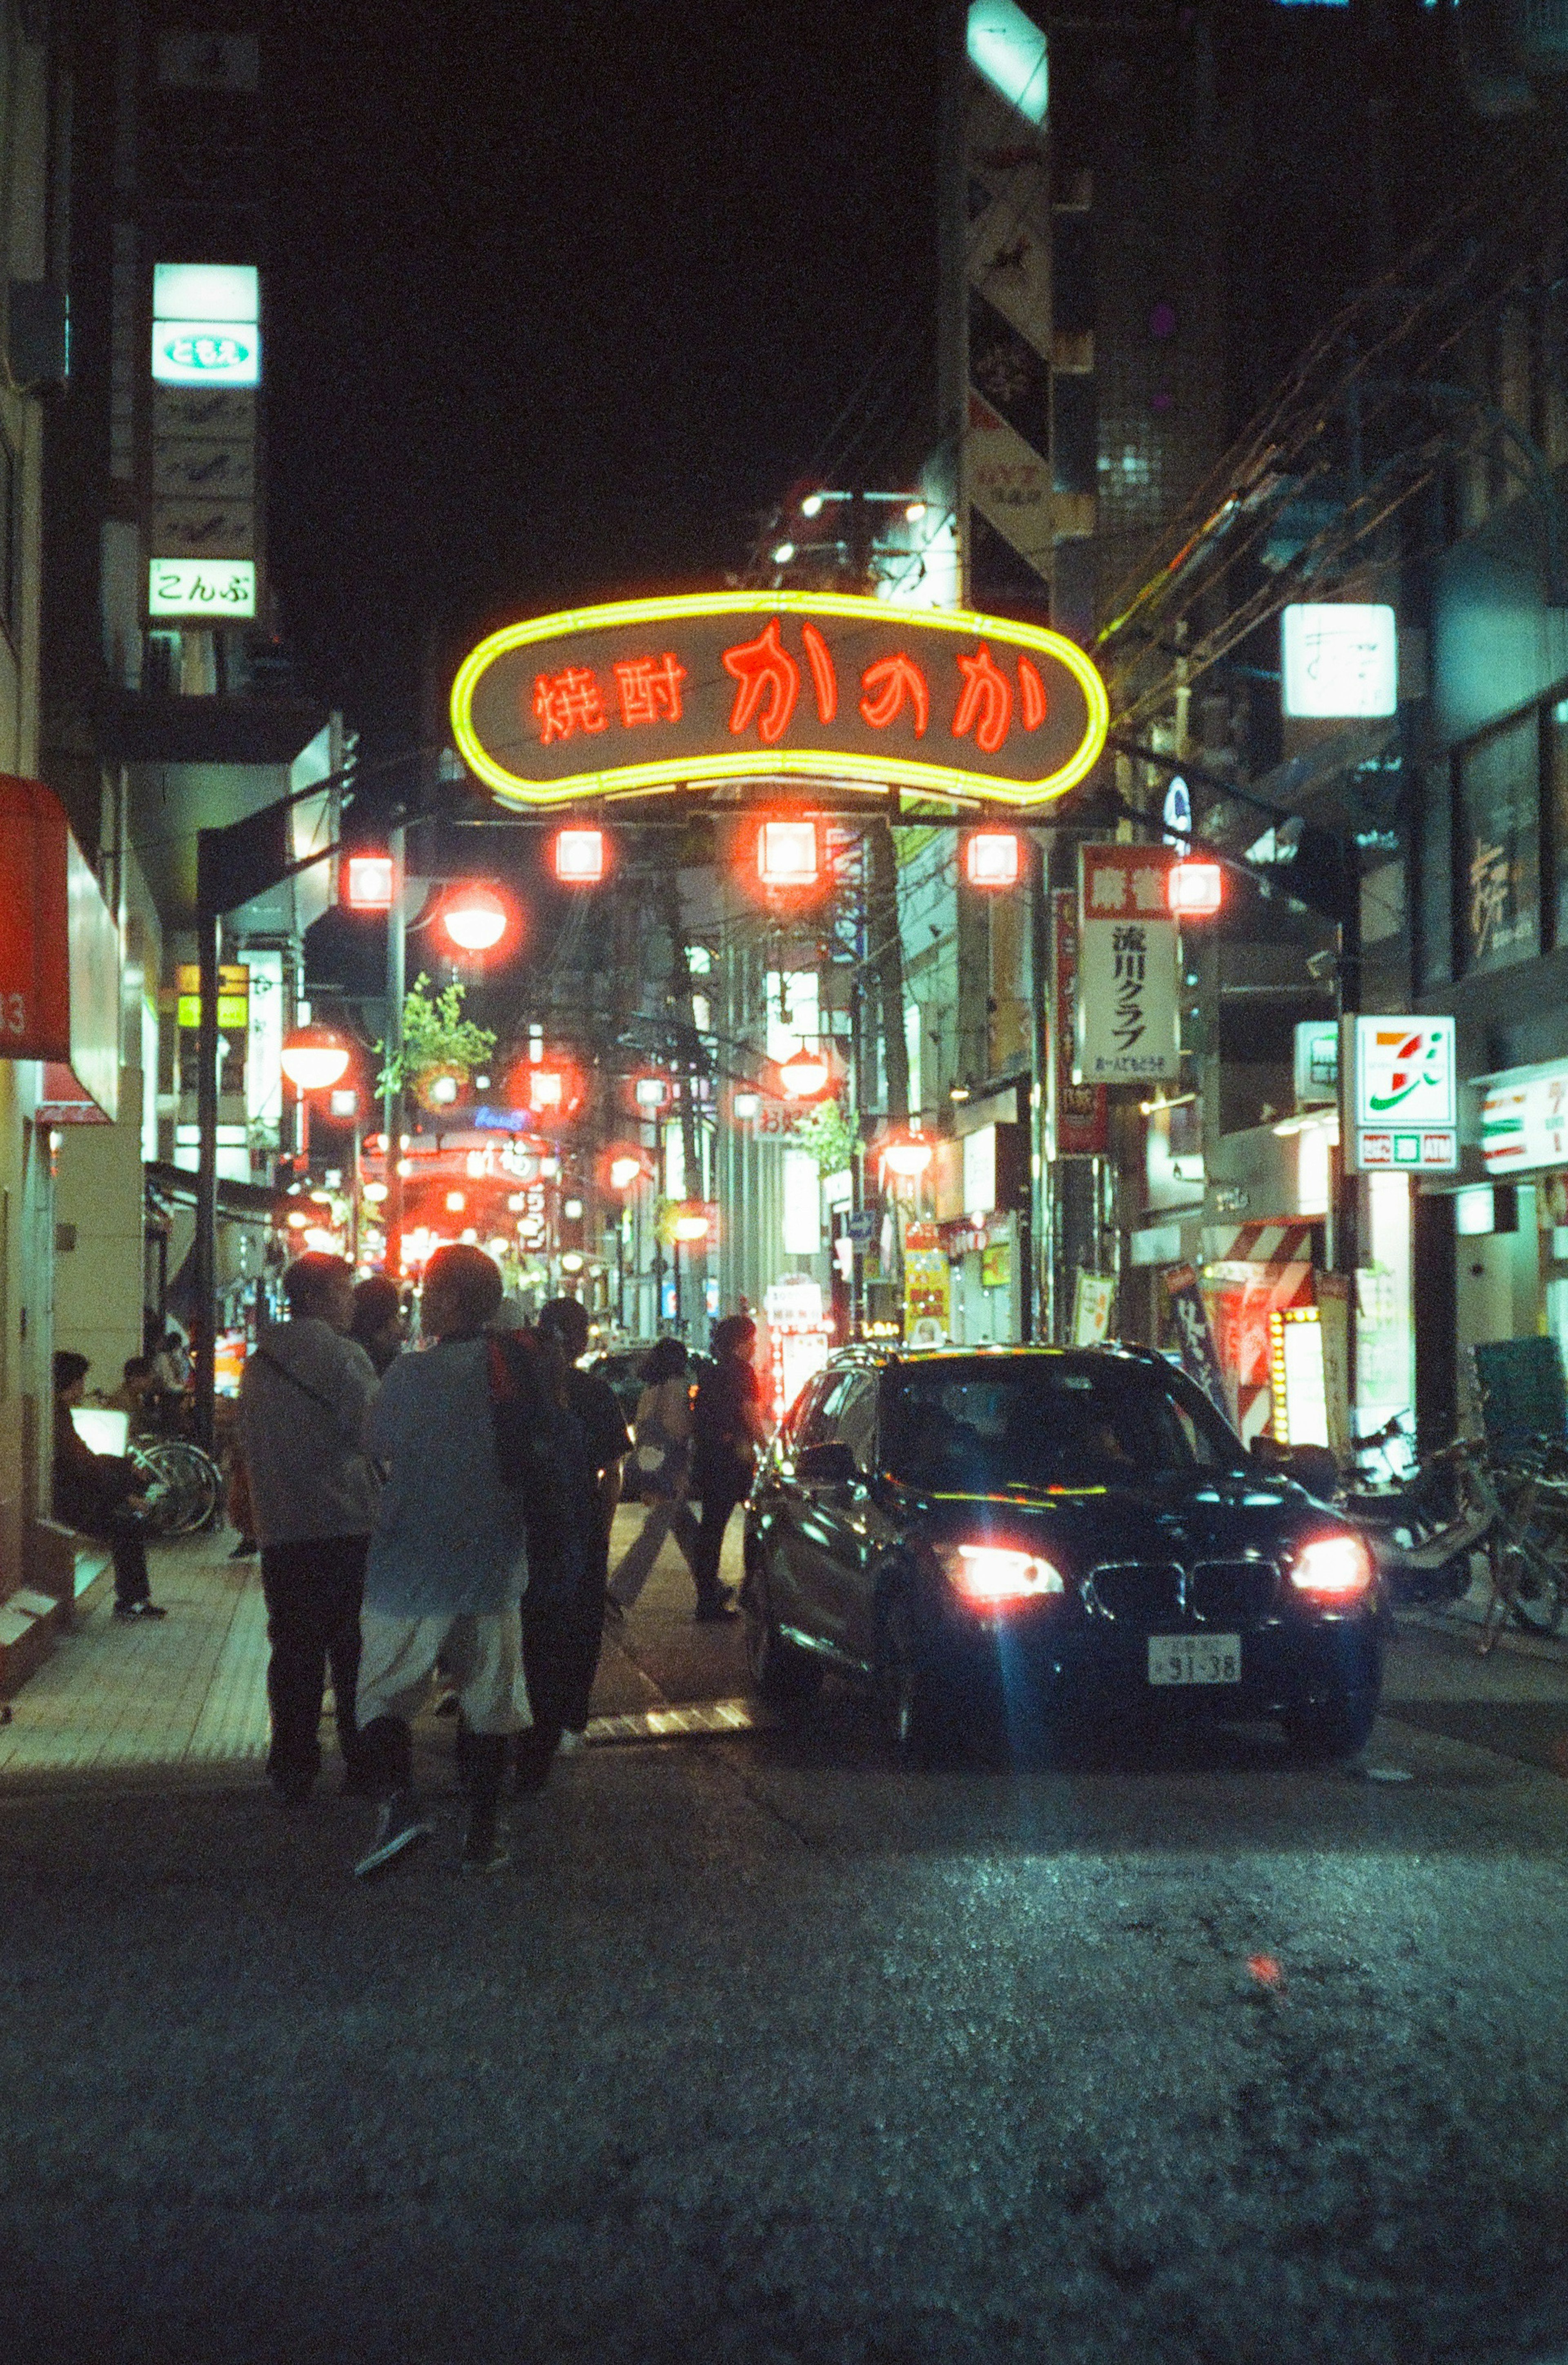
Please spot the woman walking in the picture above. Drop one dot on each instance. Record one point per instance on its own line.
(728, 1426)
(663, 1433)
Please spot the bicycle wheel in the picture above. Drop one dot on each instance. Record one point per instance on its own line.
(1536, 1576)
(191, 1483)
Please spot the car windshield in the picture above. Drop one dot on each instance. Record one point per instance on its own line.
(1038, 1421)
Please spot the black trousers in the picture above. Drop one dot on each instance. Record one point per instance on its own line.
(313, 1589)
(716, 1508)
(561, 1640)
(122, 1532)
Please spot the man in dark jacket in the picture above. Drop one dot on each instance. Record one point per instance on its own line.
(99, 1493)
(562, 1632)
(727, 1426)
(306, 1391)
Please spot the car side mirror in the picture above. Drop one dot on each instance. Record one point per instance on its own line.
(832, 1464)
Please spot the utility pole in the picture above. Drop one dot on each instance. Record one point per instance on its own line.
(690, 1145)
(392, 1088)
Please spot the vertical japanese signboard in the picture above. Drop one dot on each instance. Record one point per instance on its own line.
(1079, 1119)
(1127, 1008)
(1195, 1339)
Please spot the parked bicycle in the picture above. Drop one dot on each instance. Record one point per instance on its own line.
(184, 1488)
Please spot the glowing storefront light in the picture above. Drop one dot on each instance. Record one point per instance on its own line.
(1007, 49)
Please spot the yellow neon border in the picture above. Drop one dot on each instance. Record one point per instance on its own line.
(754, 764)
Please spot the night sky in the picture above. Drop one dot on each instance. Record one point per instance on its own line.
(564, 297)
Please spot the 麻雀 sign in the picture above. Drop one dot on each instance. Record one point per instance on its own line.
(1128, 1018)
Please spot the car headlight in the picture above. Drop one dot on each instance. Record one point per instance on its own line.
(1333, 1568)
(996, 1576)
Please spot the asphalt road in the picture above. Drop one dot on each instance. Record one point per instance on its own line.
(762, 2052)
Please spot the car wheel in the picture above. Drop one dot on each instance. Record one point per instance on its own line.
(915, 1720)
(1331, 1729)
(778, 1672)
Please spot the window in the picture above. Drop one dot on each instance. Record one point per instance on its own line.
(1499, 847)
(1557, 814)
(821, 1424)
(856, 1418)
(962, 1427)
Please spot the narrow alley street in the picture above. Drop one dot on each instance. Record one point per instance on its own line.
(1188, 2056)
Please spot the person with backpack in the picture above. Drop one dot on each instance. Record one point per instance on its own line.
(449, 1562)
(662, 1456)
(727, 1427)
(308, 1493)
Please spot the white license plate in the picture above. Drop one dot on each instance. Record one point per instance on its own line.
(1194, 1658)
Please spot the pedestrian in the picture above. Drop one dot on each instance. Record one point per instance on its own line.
(135, 1387)
(171, 1364)
(378, 1320)
(663, 1454)
(311, 1492)
(100, 1493)
(448, 1566)
(562, 1633)
(727, 1427)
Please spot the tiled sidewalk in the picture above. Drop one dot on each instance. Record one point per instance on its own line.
(186, 1693)
(185, 1690)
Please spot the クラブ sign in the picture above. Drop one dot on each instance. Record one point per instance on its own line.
(647, 695)
(1127, 1010)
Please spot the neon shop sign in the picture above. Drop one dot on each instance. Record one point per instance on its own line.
(648, 695)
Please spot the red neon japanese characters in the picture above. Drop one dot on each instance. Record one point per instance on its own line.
(895, 680)
(649, 690)
(763, 665)
(985, 704)
(825, 679)
(568, 702)
(650, 695)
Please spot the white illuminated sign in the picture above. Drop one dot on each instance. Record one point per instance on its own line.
(1177, 815)
(1406, 1101)
(205, 291)
(205, 353)
(201, 587)
(1009, 50)
(1339, 660)
(1525, 1124)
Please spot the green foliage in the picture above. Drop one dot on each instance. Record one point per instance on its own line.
(827, 1133)
(436, 1034)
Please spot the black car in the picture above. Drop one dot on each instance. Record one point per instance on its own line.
(1044, 1540)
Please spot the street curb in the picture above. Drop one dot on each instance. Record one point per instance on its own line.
(705, 1720)
(1459, 1621)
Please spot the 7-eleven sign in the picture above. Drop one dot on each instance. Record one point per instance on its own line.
(1403, 1094)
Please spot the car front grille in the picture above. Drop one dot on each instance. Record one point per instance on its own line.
(1223, 1593)
(1231, 1592)
(1139, 1591)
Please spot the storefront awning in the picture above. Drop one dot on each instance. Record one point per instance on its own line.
(60, 960)
(239, 1203)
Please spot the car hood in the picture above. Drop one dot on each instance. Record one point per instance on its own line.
(1182, 1519)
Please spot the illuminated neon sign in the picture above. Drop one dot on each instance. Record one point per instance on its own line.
(648, 695)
